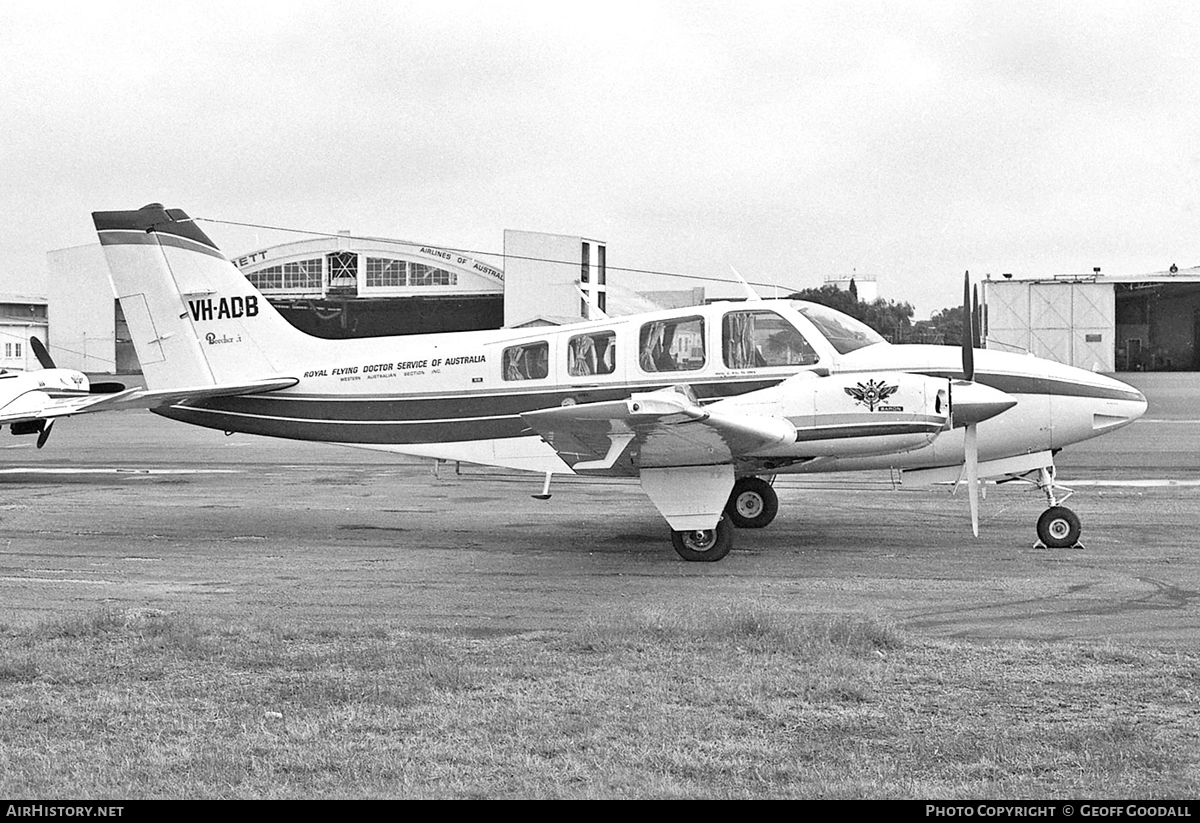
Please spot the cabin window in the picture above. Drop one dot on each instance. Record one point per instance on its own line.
(529, 361)
(752, 339)
(672, 345)
(592, 354)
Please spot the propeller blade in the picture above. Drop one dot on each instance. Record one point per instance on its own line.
(39, 351)
(976, 319)
(45, 433)
(968, 331)
(972, 464)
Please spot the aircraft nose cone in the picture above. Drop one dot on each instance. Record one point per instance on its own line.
(1125, 405)
(974, 402)
(1139, 405)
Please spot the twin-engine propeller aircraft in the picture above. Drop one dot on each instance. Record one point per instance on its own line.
(705, 405)
(30, 401)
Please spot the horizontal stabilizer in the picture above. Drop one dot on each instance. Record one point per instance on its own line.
(145, 398)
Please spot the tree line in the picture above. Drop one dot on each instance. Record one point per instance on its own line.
(891, 319)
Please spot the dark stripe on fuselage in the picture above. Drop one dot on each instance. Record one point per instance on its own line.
(397, 421)
(867, 430)
(450, 418)
(1030, 384)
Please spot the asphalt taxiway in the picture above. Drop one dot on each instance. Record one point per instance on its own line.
(135, 511)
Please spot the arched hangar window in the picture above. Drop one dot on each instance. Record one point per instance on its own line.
(299, 274)
(388, 272)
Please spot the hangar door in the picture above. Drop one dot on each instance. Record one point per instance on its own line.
(1069, 321)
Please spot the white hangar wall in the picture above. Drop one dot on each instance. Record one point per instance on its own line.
(81, 310)
(1071, 321)
(553, 278)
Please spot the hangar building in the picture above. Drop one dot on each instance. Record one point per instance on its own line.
(346, 286)
(343, 286)
(1105, 323)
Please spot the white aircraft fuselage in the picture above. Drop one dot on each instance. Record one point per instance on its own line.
(444, 395)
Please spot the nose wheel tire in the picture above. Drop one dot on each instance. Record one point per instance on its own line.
(1059, 528)
(753, 503)
(704, 545)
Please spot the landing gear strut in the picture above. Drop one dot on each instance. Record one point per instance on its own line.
(753, 503)
(704, 545)
(1058, 527)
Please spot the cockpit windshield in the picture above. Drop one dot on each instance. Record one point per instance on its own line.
(843, 332)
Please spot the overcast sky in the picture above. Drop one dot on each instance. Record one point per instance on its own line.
(792, 140)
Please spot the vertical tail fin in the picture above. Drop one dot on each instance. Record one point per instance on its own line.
(194, 318)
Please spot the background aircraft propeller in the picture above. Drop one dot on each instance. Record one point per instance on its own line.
(47, 362)
(39, 351)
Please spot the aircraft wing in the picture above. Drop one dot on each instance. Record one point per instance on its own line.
(40, 406)
(654, 429)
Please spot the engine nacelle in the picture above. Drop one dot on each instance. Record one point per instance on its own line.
(863, 413)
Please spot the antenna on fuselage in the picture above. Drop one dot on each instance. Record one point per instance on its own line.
(594, 311)
(751, 294)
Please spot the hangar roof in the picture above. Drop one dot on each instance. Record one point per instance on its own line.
(1179, 275)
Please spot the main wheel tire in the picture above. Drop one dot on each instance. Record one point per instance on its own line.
(753, 503)
(1059, 528)
(704, 545)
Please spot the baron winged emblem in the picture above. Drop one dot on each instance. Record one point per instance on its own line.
(871, 393)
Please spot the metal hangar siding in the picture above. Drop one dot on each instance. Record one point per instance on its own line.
(1099, 322)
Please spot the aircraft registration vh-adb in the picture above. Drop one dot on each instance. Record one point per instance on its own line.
(705, 405)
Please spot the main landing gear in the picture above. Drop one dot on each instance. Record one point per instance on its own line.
(1058, 527)
(704, 545)
(753, 504)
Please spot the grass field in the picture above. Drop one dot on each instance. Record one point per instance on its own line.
(741, 700)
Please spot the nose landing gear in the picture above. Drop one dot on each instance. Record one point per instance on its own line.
(1058, 527)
